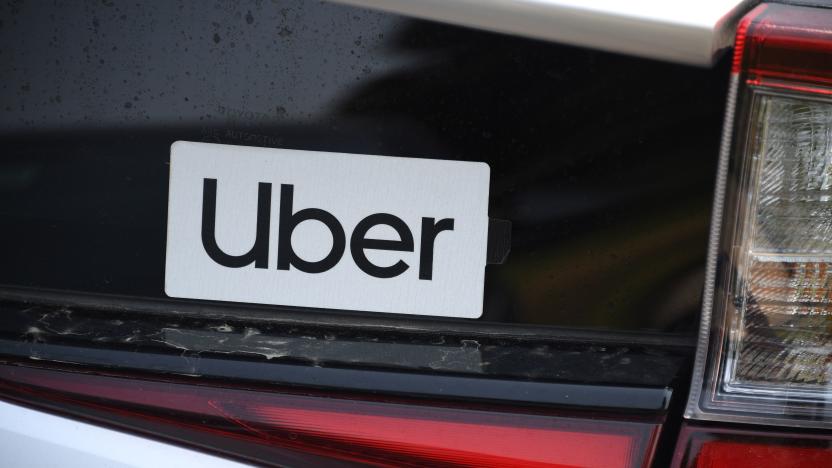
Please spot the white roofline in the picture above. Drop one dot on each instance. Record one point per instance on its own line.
(684, 31)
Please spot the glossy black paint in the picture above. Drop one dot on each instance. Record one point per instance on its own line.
(603, 163)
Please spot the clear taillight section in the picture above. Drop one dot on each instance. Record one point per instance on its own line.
(780, 297)
(765, 350)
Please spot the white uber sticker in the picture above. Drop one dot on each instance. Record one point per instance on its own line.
(327, 230)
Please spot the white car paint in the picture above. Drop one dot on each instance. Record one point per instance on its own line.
(685, 31)
(34, 439)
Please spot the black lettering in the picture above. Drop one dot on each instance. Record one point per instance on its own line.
(358, 243)
(286, 256)
(259, 253)
(430, 229)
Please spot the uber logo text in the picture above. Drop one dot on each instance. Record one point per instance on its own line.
(287, 258)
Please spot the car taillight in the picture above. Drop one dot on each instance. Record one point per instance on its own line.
(765, 350)
(704, 447)
(244, 423)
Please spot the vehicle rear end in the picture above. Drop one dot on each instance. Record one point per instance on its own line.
(655, 284)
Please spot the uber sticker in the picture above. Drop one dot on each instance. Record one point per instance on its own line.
(327, 230)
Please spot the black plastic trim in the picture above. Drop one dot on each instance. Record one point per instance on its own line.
(324, 318)
(434, 386)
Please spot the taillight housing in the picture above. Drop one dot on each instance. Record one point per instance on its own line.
(765, 350)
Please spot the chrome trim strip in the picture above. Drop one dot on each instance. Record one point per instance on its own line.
(692, 409)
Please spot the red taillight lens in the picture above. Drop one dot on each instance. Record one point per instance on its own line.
(718, 454)
(788, 48)
(380, 433)
(701, 447)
